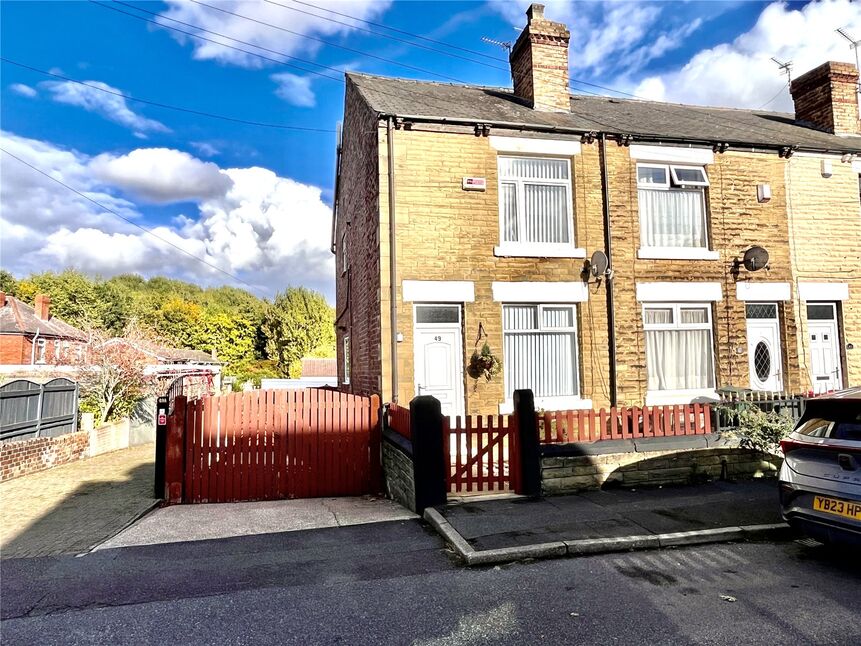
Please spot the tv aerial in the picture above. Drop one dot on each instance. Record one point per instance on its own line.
(504, 44)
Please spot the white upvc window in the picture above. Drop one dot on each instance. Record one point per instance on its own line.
(41, 346)
(535, 207)
(347, 359)
(540, 353)
(679, 349)
(673, 216)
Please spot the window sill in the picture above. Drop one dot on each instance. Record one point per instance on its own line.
(550, 403)
(673, 397)
(538, 251)
(676, 253)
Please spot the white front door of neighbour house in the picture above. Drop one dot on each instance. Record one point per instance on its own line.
(439, 356)
(824, 347)
(763, 347)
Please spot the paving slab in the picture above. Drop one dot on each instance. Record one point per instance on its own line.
(70, 508)
(501, 524)
(180, 523)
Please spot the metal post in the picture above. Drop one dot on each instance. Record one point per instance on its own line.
(161, 407)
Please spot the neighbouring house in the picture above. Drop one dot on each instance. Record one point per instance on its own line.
(200, 371)
(608, 251)
(32, 339)
(316, 373)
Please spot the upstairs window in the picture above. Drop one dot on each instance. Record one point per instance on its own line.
(535, 201)
(672, 205)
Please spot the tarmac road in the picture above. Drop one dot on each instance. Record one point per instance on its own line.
(394, 583)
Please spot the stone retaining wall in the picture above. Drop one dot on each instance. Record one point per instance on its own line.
(399, 473)
(38, 453)
(568, 474)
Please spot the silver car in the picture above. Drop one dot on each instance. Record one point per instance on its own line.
(820, 480)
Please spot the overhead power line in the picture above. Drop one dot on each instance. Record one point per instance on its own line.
(394, 29)
(388, 36)
(167, 106)
(326, 42)
(134, 224)
(215, 42)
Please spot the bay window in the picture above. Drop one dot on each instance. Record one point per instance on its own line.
(672, 205)
(540, 350)
(679, 351)
(535, 207)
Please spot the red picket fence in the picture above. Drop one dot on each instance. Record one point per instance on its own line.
(271, 444)
(482, 453)
(398, 419)
(623, 423)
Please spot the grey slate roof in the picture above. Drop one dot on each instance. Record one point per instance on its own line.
(650, 119)
(19, 318)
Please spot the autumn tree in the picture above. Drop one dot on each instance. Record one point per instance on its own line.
(112, 373)
(300, 322)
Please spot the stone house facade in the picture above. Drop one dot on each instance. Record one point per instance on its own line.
(606, 251)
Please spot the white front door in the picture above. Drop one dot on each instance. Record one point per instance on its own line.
(763, 347)
(439, 356)
(824, 347)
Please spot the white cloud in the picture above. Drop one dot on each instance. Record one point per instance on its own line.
(742, 74)
(205, 148)
(110, 106)
(295, 89)
(271, 231)
(617, 37)
(161, 175)
(262, 33)
(23, 90)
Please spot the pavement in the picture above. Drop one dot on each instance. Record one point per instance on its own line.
(608, 520)
(71, 508)
(394, 583)
(182, 523)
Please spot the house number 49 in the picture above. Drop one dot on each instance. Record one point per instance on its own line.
(437, 338)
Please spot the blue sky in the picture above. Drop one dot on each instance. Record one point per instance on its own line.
(254, 201)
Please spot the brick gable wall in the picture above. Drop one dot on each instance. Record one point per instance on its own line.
(358, 296)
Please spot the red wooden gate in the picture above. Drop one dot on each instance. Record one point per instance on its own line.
(482, 454)
(270, 444)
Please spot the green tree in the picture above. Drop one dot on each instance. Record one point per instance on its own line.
(231, 336)
(74, 297)
(298, 323)
(8, 283)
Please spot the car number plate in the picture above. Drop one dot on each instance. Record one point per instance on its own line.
(838, 507)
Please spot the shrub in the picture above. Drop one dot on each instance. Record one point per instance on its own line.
(757, 429)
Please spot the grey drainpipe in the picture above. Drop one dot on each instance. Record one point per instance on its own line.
(608, 249)
(393, 261)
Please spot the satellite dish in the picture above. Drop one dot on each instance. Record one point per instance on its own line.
(755, 258)
(598, 264)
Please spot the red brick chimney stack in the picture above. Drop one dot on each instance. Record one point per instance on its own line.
(539, 63)
(826, 97)
(2, 299)
(43, 306)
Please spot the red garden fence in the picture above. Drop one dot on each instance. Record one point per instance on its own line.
(623, 423)
(398, 419)
(270, 444)
(482, 453)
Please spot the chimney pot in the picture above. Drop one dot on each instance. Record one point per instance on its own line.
(826, 97)
(43, 306)
(535, 11)
(539, 63)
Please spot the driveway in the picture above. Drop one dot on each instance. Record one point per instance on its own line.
(71, 508)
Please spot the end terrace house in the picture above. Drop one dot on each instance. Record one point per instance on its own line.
(607, 251)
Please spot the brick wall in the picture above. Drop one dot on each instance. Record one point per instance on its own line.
(737, 221)
(35, 454)
(825, 220)
(569, 474)
(17, 349)
(358, 290)
(539, 64)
